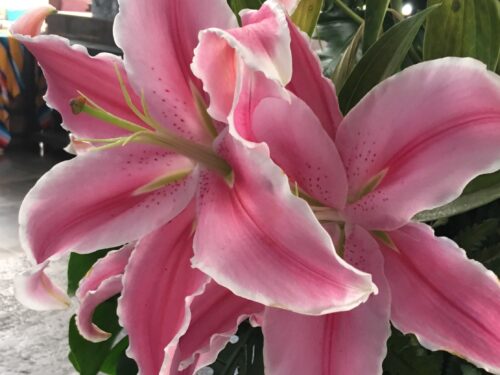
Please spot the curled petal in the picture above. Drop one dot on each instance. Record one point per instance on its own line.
(450, 302)
(255, 236)
(107, 289)
(408, 150)
(157, 58)
(290, 5)
(214, 317)
(159, 286)
(35, 290)
(77, 147)
(101, 207)
(113, 264)
(351, 342)
(261, 45)
(69, 71)
(30, 24)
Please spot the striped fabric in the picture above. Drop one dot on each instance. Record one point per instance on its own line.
(11, 84)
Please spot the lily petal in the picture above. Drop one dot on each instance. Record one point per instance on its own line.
(214, 317)
(261, 45)
(398, 141)
(36, 291)
(290, 5)
(309, 83)
(101, 208)
(157, 58)
(351, 342)
(30, 24)
(159, 286)
(112, 264)
(299, 144)
(70, 70)
(107, 289)
(450, 302)
(256, 252)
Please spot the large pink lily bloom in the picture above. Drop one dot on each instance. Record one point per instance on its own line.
(412, 144)
(157, 151)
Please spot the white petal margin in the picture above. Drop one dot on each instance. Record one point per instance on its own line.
(89, 303)
(36, 291)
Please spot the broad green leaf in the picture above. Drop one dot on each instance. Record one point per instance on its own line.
(110, 364)
(464, 28)
(383, 59)
(79, 265)
(306, 15)
(88, 357)
(374, 17)
(483, 190)
(348, 60)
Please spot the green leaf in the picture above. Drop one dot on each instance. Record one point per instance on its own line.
(306, 15)
(464, 28)
(473, 237)
(374, 17)
(126, 366)
(348, 60)
(383, 59)
(481, 191)
(406, 356)
(110, 364)
(237, 5)
(79, 265)
(88, 357)
(334, 32)
(245, 356)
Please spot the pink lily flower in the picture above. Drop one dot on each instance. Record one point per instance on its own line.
(155, 153)
(412, 144)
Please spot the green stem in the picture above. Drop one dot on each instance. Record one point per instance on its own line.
(348, 11)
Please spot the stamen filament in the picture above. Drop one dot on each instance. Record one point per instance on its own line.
(142, 116)
(80, 104)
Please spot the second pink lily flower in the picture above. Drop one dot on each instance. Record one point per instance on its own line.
(412, 144)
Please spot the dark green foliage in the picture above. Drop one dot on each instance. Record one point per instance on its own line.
(383, 59)
(407, 357)
(246, 355)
